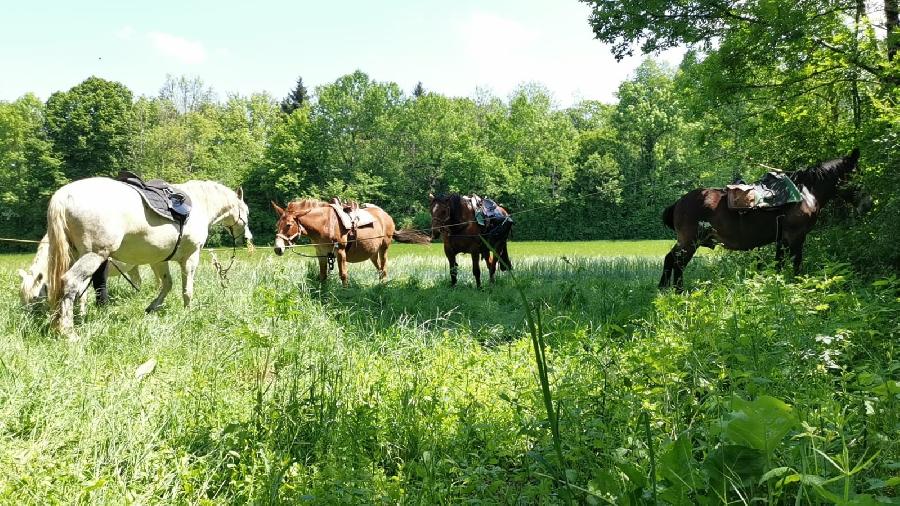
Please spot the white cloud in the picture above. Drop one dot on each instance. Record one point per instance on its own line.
(184, 50)
(127, 32)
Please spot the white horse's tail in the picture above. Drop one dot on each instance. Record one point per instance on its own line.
(60, 258)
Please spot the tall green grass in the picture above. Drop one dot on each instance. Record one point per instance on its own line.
(749, 388)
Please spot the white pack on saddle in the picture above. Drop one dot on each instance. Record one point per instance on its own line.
(356, 218)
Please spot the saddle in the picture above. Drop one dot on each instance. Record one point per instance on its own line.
(352, 216)
(159, 196)
(772, 191)
(489, 216)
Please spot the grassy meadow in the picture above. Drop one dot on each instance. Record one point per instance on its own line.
(748, 388)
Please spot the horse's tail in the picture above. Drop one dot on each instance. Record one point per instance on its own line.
(60, 258)
(668, 216)
(411, 236)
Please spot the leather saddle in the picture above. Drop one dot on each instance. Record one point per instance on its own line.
(159, 196)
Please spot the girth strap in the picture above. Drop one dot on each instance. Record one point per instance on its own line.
(177, 241)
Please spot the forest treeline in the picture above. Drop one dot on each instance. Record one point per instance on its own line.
(590, 171)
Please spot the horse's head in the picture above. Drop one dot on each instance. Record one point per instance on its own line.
(440, 213)
(33, 288)
(831, 179)
(240, 219)
(287, 229)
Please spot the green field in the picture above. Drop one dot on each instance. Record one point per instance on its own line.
(750, 387)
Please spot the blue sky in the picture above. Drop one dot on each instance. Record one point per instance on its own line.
(453, 47)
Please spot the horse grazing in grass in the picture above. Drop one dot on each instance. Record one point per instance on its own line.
(95, 219)
(453, 220)
(333, 240)
(33, 288)
(748, 229)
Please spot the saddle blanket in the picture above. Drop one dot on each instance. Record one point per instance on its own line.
(360, 216)
(773, 190)
(159, 196)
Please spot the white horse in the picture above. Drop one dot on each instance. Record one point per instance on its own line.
(93, 219)
(33, 289)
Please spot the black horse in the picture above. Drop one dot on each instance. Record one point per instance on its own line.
(748, 229)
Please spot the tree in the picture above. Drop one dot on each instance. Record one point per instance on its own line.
(536, 141)
(29, 172)
(91, 127)
(187, 94)
(419, 90)
(297, 98)
(647, 110)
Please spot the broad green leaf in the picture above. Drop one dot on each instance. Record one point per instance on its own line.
(760, 424)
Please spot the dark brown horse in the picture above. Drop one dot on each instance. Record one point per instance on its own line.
(702, 218)
(453, 219)
(332, 240)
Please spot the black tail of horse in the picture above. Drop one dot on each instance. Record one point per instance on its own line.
(668, 217)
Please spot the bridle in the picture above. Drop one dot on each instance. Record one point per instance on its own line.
(301, 230)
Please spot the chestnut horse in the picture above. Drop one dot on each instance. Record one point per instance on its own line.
(748, 229)
(332, 240)
(453, 219)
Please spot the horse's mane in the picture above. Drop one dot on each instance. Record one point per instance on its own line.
(297, 206)
(829, 172)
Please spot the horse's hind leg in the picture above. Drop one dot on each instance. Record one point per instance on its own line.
(681, 258)
(491, 261)
(380, 261)
(666, 280)
(165, 284)
(75, 281)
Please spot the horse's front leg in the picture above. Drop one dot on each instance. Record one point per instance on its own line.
(797, 252)
(135, 276)
(165, 284)
(454, 269)
(188, 268)
(323, 268)
(342, 266)
(476, 268)
(99, 279)
(75, 281)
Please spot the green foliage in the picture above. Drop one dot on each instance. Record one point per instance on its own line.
(751, 388)
(91, 127)
(29, 171)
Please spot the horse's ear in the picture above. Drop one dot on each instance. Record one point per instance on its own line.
(278, 210)
(431, 196)
(22, 274)
(240, 193)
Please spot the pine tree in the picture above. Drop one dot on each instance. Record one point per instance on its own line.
(296, 98)
(419, 90)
